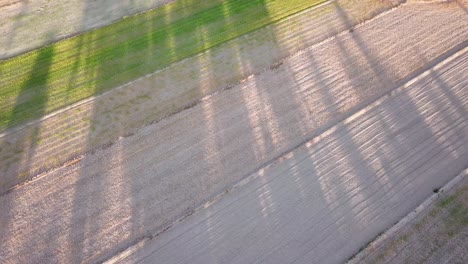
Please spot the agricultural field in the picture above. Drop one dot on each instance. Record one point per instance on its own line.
(65, 72)
(72, 131)
(133, 129)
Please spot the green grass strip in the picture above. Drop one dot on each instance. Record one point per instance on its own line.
(46, 79)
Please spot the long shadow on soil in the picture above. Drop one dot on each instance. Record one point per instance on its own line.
(129, 188)
(24, 146)
(390, 174)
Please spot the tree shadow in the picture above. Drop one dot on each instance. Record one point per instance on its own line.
(34, 85)
(25, 147)
(215, 144)
(390, 171)
(146, 219)
(105, 71)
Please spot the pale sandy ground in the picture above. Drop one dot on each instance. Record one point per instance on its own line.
(348, 184)
(438, 233)
(28, 24)
(69, 133)
(324, 200)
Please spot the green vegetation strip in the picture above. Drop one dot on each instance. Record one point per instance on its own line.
(44, 80)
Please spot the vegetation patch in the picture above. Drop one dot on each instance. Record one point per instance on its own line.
(44, 80)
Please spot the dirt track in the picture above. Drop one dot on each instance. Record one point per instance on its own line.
(140, 184)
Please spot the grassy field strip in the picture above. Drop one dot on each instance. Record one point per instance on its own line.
(118, 112)
(65, 72)
(94, 40)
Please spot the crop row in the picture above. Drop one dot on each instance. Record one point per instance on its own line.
(67, 71)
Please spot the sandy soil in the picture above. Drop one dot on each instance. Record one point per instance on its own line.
(29, 24)
(71, 132)
(119, 195)
(321, 202)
